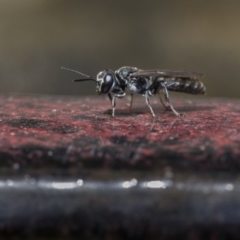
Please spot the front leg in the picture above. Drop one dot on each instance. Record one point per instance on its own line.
(110, 97)
(113, 100)
(131, 102)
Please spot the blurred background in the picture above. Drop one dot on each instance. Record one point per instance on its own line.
(38, 37)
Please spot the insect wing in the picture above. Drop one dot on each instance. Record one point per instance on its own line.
(167, 73)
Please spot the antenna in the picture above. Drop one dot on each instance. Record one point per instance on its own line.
(85, 79)
(72, 70)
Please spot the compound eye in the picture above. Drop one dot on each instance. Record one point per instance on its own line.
(107, 83)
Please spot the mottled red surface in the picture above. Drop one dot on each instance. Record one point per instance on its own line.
(79, 132)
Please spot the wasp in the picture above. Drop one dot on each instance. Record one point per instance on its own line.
(144, 82)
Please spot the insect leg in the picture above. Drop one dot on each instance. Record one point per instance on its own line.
(163, 101)
(110, 97)
(131, 101)
(165, 92)
(112, 100)
(113, 105)
(119, 95)
(148, 104)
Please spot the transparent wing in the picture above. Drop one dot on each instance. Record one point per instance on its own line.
(167, 73)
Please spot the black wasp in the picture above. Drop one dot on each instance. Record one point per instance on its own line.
(145, 82)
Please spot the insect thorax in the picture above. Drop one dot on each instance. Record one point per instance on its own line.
(133, 84)
(123, 73)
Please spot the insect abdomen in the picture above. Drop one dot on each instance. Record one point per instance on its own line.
(186, 85)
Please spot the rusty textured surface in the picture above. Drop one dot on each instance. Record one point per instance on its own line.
(75, 132)
(69, 170)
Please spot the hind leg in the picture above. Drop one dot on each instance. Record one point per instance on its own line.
(163, 101)
(149, 105)
(166, 96)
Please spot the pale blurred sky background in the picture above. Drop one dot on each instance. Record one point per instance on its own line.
(38, 37)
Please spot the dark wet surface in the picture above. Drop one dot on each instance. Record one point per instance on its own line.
(68, 169)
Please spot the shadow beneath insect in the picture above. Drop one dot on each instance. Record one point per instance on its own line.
(138, 111)
(126, 112)
(194, 108)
